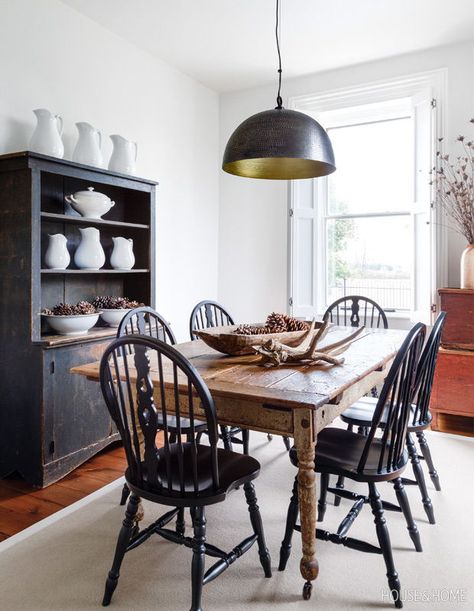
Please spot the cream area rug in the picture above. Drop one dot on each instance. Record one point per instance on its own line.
(63, 565)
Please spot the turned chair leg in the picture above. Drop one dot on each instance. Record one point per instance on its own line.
(125, 494)
(420, 479)
(340, 485)
(385, 545)
(199, 556)
(122, 543)
(225, 435)
(405, 507)
(245, 440)
(322, 496)
(286, 441)
(180, 523)
(256, 521)
(291, 518)
(425, 450)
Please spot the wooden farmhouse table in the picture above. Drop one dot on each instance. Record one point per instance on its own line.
(291, 400)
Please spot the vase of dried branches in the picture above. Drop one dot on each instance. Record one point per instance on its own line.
(467, 267)
(453, 178)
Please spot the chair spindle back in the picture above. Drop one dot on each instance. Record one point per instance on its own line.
(425, 373)
(143, 378)
(146, 321)
(208, 314)
(354, 311)
(394, 404)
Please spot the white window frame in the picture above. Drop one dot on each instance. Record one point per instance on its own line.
(427, 85)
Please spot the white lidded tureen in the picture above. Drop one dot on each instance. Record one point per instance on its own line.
(90, 203)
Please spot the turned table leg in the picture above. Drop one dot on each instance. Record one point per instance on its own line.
(305, 447)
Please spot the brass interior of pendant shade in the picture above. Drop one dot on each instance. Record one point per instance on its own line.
(278, 168)
(279, 144)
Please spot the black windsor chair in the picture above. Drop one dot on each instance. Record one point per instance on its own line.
(181, 474)
(368, 459)
(207, 314)
(361, 413)
(354, 311)
(147, 321)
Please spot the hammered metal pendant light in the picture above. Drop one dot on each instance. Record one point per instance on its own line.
(279, 143)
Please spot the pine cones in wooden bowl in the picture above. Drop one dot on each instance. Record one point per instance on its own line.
(239, 339)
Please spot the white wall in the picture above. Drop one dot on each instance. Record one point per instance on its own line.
(253, 214)
(53, 57)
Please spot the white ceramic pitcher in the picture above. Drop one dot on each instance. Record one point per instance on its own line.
(122, 256)
(57, 255)
(124, 155)
(46, 138)
(89, 253)
(88, 146)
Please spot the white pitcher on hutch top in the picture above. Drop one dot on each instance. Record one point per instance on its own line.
(124, 155)
(46, 138)
(88, 145)
(89, 253)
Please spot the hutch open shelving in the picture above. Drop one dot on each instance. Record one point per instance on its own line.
(50, 420)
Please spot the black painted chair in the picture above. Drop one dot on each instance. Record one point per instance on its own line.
(370, 460)
(207, 314)
(354, 311)
(147, 321)
(179, 474)
(361, 413)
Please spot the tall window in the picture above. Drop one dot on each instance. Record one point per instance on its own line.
(367, 229)
(367, 208)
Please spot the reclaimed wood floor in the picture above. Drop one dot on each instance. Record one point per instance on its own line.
(21, 505)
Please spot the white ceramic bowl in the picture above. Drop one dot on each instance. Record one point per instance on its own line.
(113, 316)
(72, 325)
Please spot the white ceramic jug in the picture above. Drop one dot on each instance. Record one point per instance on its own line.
(122, 255)
(124, 155)
(46, 138)
(88, 146)
(57, 255)
(89, 253)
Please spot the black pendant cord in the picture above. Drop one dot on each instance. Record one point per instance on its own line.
(279, 100)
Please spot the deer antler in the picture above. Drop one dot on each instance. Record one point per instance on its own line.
(275, 353)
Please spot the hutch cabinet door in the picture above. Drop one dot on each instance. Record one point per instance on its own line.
(76, 420)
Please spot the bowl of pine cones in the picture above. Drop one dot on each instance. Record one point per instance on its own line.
(239, 339)
(68, 319)
(113, 309)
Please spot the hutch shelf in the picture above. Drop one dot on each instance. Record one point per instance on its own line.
(50, 420)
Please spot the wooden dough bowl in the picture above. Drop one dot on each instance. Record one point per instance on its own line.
(225, 340)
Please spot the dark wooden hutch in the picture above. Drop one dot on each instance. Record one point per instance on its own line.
(51, 421)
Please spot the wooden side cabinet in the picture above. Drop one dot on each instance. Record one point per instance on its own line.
(51, 421)
(452, 399)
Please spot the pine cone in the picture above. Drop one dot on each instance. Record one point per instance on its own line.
(63, 309)
(104, 302)
(293, 324)
(84, 307)
(276, 321)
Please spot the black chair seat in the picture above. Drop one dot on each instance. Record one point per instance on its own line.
(234, 470)
(338, 451)
(361, 413)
